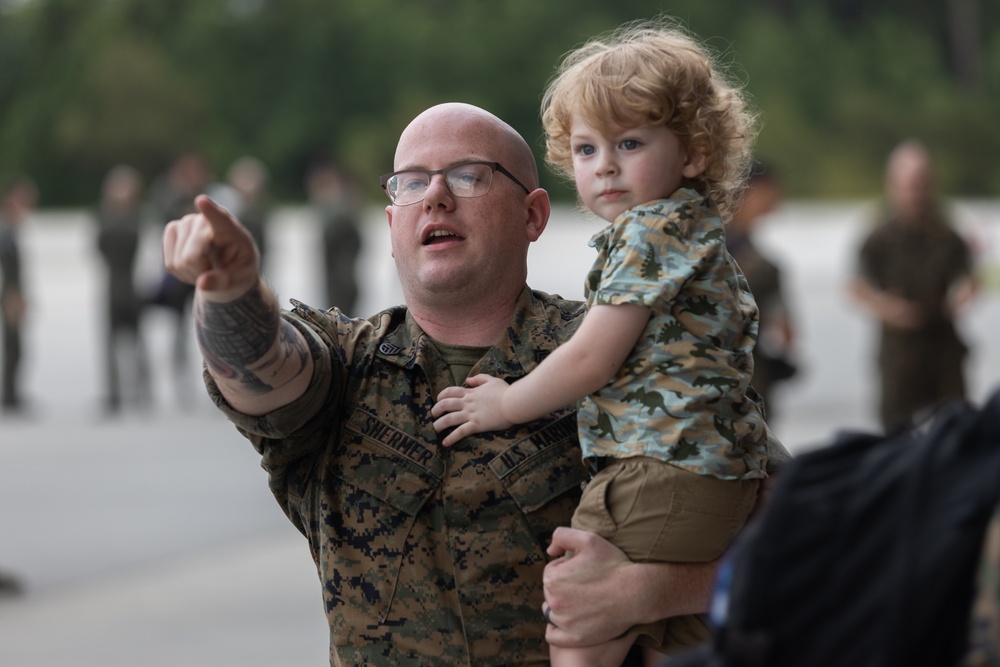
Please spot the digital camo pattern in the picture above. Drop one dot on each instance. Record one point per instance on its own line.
(984, 639)
(427, 555)
(682, 394)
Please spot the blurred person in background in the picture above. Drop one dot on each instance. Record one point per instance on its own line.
(172, 197)
(774, 356)
(915, 276)
(984, 630)
(19, 196)
(246, 193)
(335, 199)
(119, 217)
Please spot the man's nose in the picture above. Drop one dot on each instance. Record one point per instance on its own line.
(437, 191)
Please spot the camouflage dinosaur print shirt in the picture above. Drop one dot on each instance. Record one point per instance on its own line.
(427, 555)
(681, 395)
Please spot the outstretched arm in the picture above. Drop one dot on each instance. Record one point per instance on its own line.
(579, 367)
(597, 594)
(259, 361)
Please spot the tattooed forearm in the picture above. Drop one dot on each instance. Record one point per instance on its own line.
(237, 340)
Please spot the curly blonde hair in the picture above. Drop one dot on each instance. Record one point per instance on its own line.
(654, 72)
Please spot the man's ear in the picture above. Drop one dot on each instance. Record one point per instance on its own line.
(695, 164)
(539, 210)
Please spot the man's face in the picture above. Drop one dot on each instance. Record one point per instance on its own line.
(760, 198)
(19, 202)
(450, 248)
(909, 185)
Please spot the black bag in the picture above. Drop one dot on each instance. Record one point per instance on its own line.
(866, 553)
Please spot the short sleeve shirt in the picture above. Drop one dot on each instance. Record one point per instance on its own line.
(682, 394)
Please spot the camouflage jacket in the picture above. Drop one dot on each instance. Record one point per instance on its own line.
(428, 555)
(682, 394)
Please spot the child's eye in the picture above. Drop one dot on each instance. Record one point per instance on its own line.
(629, 144)
(584, 149)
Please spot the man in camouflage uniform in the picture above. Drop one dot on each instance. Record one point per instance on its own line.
(427, 555)
(914, 276)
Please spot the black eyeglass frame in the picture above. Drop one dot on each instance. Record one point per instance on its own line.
(495, 166)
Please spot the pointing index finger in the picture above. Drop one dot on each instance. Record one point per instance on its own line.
(220, 219)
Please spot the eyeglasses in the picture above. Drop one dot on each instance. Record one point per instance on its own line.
(465, 179)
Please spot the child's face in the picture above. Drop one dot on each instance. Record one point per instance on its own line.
(630, 167)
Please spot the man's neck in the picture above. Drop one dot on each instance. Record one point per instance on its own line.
(474, 324)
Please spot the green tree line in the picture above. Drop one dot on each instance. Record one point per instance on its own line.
(86, 84)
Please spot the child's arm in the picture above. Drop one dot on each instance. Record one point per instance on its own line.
(579, 367)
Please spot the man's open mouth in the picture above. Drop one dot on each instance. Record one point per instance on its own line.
(440, 236)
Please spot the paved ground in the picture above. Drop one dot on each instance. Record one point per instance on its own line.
(152, 540)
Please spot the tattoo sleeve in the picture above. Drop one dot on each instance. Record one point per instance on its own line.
(236, 340)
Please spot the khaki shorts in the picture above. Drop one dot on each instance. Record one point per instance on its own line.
(657, 512)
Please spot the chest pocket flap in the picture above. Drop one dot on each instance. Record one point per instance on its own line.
(543, 466)
(378, 480)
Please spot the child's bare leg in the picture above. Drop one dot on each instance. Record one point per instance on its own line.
(608, 654)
